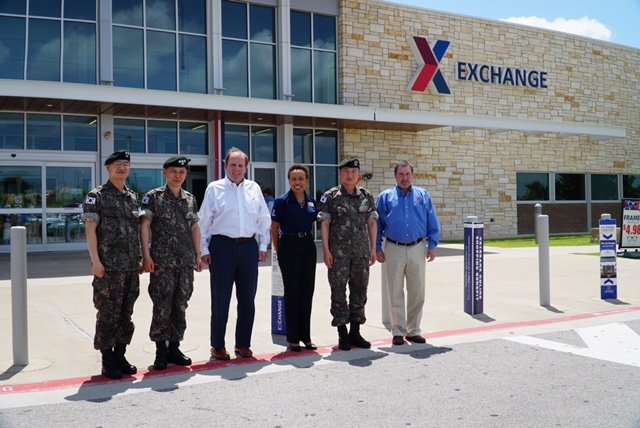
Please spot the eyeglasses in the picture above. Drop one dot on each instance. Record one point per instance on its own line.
(121, 163)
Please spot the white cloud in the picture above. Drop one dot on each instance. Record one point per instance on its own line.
(584, 26)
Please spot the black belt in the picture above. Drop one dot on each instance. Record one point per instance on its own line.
(236, 240)
(298, 234)
(405, 244)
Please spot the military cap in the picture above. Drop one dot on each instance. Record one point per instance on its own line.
(349, 163)
(176, 161)
(116, 156)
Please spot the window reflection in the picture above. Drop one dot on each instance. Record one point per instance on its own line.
(162, 136)
(193, 64)
(235, 68)
(262, 24)
(234, 19)
(263, 67)
(128, 57)
(20, 187)
(263, 144)
(66, 186)
(50, 8)
(300, 29)
(79, 52)
(324, 77)
(326, 143)
(194, 138)
(11, 131)
(32, 222)
(303, 145)
(324, 32)
(127, 12)
(80, 133)
(65, 228)
(301, 74)
(141, 180)
(43, 58)
(16, 7)
(80, 9)
(192, 16)
(43, 132)
(129, 135)
(161, 14)
(161, 60)
(236, 136)
(12, 42)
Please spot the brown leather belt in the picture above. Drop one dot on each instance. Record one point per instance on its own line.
(405, 244)
(236, 240)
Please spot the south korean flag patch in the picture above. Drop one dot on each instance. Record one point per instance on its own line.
(90, 200)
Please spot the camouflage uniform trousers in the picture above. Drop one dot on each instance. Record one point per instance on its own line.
(355, 271)
(170, 291)
(114, 296)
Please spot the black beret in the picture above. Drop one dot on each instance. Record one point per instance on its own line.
(349, 163)
(116, 156)
(177, 161)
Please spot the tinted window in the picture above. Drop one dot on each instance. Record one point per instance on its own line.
(235, 68)
(16, 7)
(11, 131)
(236, 136)
(324, 77)
(631, 186)
(193, 138)
(263, 71)
(127, 12)
(192, 16)
(604, 187)
(80, 9)
(161, 14)
(43, 132)
(129, 135)
(263, 144)
(12, 47)
(300, 29)
(570, 187)
(234, 20)
(80, 133)
(301, 74)
(50, 8)
(161, 60)
(193, 64)
(324, 32)
(44, 50)
(326, 146)
(162, 136)
(79, 52)
(532, 186)
(128, 57)
(263, 24)
(303, 145)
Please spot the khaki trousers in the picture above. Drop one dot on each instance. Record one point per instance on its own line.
(400, 318)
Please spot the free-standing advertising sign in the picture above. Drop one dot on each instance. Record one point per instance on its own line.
(473, 266)
(278, 320)
(630, 229)
(608, 263)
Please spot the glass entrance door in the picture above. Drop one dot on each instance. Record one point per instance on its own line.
(265, 175)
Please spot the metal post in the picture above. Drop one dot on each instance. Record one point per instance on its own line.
(537, 210)
(19, 295)
(542, 222)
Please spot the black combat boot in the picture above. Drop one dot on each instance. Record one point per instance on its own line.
(176, 356)
(355, 339)
(343, 338)
(162, 355)
(125, 366)
(110, 366)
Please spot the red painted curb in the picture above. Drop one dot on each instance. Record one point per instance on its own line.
(91, 381)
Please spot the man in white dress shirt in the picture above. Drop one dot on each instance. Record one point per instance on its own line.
(235, 224)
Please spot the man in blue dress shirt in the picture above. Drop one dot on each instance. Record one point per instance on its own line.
(410, 227)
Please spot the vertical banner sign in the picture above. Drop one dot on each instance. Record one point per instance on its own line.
(608, 264)
(630, 230)
(473, 267)
(278, 320)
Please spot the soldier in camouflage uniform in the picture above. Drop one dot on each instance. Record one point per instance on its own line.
(112, 227)
(171, 250)
(348, 224)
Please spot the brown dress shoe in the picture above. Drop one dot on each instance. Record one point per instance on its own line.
(244, 351)
(398, 340)
(220, 354)
(416, 339)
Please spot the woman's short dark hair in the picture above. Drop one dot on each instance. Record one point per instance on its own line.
(300, 167)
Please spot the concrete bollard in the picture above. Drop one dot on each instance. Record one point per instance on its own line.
(542, 222)
(19, 295)
(537, 210)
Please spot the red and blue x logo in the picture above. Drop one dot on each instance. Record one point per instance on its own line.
(429, 60)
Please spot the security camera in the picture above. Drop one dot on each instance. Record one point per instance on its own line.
(13, 155)
(367, 176)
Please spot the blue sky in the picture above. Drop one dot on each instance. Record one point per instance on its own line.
(616, 21)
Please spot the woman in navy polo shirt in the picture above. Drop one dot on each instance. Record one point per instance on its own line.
(292, 221)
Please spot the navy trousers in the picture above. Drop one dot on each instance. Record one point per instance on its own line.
(233, 262)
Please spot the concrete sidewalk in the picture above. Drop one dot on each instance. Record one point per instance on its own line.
(62, 317)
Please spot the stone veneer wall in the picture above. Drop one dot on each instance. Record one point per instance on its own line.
(473, 172)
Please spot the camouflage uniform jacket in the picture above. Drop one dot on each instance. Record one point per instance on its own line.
(118, 230)
(171, 221)
(348, 216)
